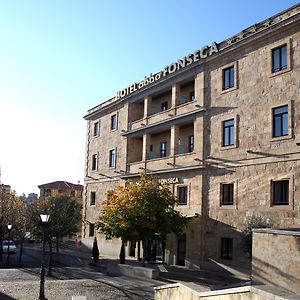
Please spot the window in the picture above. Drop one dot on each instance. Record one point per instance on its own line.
(279, 59)
(112, 158)
(182, 194)
(163, 149)
(191, 143)
(227, 194)
(95, 162)
(114, 122)
(164, 105)
(93, 198)
(228, 78)
(96, 129)
(91, 229)
(47, 192)
(192, 96)
(226, 248)
(281, 192)
(280, 121)
(228, 133)
(72, 193)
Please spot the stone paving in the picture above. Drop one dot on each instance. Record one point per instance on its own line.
(24, 284)
(73, 276)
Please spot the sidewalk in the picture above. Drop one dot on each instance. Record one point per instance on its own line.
(167, 273)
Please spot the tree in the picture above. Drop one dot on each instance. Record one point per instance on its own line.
(251, 223)
(95, 251)
(20, 218)
(140, 211)
(64, 221)
(13, 210)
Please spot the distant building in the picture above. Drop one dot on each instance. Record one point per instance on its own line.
(5, 188)
(30, 199)
(60, 187)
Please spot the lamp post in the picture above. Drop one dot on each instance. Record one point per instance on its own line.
(9, 227)
(44, 219)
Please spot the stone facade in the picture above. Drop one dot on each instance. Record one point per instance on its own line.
(175, 128)
(276, 258)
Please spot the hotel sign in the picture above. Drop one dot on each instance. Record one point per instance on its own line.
(201, 54)
(171, 180)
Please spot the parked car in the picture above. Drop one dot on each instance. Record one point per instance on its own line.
(12, 246)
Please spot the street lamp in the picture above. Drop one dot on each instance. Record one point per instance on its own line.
(44, 219)
(9, 227)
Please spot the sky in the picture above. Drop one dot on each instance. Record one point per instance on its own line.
(60, 58)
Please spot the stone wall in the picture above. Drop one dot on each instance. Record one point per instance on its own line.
(276, 258)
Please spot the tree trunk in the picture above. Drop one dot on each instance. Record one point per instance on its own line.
(122, 253)
(50, 258)
(144, 252)
(1, 240)
(139, 251)
(163, 251)
(21, 253)
(57, 245)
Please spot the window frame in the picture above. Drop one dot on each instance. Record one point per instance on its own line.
(192, 96)
(286, 181)
(281, 66)
(93, 198)
(165, 105)
(288, 42)
(231, 77)
(163, 150)
(226, 248)
(232, 190)
(281, 121)
(191, 143)
(179, 189)
(231, 135)
(112, 158)
(95, 161)
(96, 131)
(114, 124)
(91, 229)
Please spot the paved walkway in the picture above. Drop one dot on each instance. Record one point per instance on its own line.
(94, 283)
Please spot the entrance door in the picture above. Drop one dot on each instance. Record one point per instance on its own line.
(181, 250)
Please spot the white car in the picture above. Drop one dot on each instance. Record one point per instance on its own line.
(12, 246)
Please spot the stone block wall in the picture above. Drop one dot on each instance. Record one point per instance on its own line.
(276, 258)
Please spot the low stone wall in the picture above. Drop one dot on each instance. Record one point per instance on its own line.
(179, 291)
(132, 271)
(276, 258)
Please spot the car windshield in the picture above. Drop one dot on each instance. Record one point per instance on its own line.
(10, 244)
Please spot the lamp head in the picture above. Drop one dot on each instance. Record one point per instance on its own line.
(44, 218)
(9, 226)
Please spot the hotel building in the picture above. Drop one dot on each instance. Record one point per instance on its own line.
(222, 127)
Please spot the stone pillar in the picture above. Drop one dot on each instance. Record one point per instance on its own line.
(198, 137)
(175, 94)
(174, 140)
(199, 89)
(146, 144)
(147, 106)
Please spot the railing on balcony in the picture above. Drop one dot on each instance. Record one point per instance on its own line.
(153, 155)
(185, 149)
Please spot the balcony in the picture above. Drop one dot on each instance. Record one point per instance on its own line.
(163, 107)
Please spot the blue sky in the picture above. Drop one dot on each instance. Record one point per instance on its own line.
(60, 58)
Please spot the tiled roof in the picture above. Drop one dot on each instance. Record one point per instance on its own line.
(61, 185)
